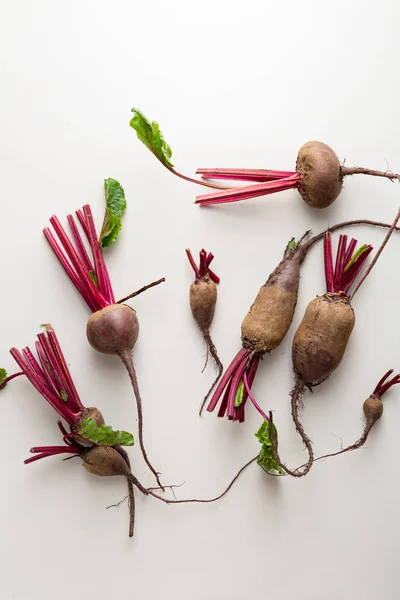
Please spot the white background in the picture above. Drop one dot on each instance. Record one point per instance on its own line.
(231, 84)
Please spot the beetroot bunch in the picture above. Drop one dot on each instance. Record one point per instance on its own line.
(113, 326)
(83, 429)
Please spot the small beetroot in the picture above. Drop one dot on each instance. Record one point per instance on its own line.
(203, 298)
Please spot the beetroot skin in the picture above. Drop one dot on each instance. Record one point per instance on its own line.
(113, 329)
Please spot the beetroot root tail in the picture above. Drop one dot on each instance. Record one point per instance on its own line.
(149, 492)
(296, 395)
(131, 497)
(126, 358)
(211, 349)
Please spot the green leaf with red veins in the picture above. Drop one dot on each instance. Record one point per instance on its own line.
(3, 376)
(104, 435)
(150, 135)
(115, 208)
(266, 458)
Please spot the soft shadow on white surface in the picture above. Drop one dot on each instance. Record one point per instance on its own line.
(241, 84)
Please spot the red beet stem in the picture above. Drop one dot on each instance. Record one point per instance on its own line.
(381, 382)
(236, 377)
(203, 269)
(350, 276)
(97, 256)
(192, 180)
(251, 375)
(76, 261)
(46, 368)
(79, 244)
(62, 428)
(340, 264)
(41, 386)
(203, 263)
(82, 274)
(192, 263)
(226, 378)
(328, 263)
(10, 378)
(248, 390)
(338, 279)
(251, 191)
(73, 396)
(82, 221)
(382, 387)
(350, 251)
(52, 379)
(51, 451)
(260, 175)
(68, 269)
(101, 268)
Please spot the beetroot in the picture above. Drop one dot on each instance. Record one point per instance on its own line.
(113, 327)
(203, 298)
(318, 175)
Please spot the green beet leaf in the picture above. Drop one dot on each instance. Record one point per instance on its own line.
(151, 136)
(104, 435)
(115, 208)
(3, 376)
(265, 458)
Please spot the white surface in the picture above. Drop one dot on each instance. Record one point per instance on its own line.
(230, 83)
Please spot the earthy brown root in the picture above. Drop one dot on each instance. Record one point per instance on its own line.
(373, 409)
(322, 178)
(296, 395)
(105, 461)
(113, 329)
(362, 171)
(149, 492)
(126, 358)
(131, 496)
(203, 298)
(141, 290)
(322, 336)
(269, 318)
(213, 351)
(360, 442)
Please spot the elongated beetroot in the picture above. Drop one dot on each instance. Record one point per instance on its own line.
(318, 175)
(113, 327)
(203, 298)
